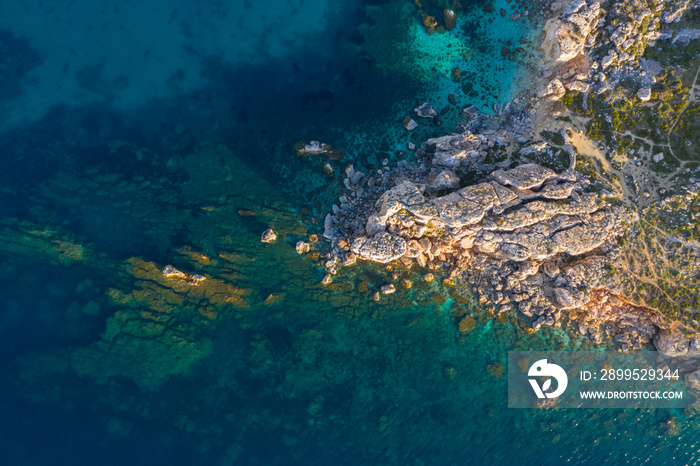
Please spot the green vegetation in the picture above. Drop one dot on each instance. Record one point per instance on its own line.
(660, 261)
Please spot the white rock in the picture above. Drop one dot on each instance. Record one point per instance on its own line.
(578, 86)
(608, 59)
(314, 148)
(555, 90)
(268, 236)
(302, 247)
(644, 94)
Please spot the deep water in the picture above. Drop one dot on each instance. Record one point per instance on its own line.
(137, 135)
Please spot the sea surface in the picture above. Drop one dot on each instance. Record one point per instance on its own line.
(140, 134)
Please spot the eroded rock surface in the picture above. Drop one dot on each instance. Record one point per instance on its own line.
(528, 236)
(566, 36)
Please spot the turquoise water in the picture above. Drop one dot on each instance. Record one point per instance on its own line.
(185, 161)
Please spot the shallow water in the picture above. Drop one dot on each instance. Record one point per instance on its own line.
(185, 161)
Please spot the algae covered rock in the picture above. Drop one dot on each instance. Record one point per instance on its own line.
(157, 331)
(467, 324)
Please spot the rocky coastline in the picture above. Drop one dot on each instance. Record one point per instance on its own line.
(474, 206)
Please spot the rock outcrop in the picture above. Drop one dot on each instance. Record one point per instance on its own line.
(527, 235)
(567, 36)
(454, 150)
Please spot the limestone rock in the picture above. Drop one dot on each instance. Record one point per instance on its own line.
(456, 211)
(676, 345)
(513, 235)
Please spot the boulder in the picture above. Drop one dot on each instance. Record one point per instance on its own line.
(644, 94)
(579, 86)
(450, 20)
(268, 236)
(381, 248)
(676, 345)
(409, 123)
(446, 179)
(555, 90)
(302, 247)
(452, 151)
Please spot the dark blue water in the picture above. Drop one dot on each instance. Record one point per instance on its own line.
(141, 135)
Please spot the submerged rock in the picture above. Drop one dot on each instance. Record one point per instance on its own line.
(467, 324)
(450, 20)
(171, 272)
(425, 110)
(409, 123)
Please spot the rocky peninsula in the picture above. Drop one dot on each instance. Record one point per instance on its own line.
(512, 208)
